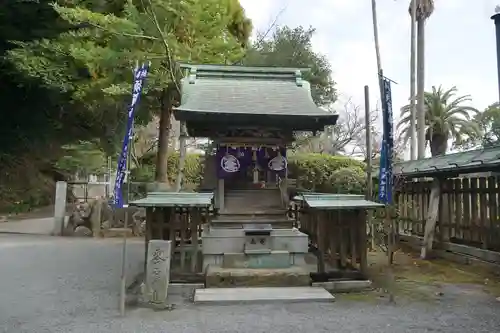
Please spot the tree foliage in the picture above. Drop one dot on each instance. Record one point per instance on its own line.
(489, 134)
(292, 47)
(446, 117)
(67, 67)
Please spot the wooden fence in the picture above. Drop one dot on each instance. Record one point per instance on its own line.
(339, 237)
(468, 210)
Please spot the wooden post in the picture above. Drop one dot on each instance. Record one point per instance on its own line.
(368, 157)
(354, 243)
(220, 194)
(320, 223)
(466, 220)
(483, 214)
(474, 230)
(430, 223)
(363, 249)
(492, 203)
(457, 189)
(195, 222)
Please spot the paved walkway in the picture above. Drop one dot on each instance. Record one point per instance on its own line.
(70, 285)
(35, 226)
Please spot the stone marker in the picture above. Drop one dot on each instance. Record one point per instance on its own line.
(95, 217)
(60, 207)
(158, 271)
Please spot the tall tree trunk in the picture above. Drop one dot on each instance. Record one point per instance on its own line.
(413, 113)
(182, 156)
(438, 144)
(375, 35)
(166, 103)
(421, 87)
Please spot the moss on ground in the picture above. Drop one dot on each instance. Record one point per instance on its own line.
(421, 280)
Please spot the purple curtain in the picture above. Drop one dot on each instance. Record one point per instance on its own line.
(264, 160)
(232, 161)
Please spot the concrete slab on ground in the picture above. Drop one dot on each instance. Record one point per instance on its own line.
(221, 296)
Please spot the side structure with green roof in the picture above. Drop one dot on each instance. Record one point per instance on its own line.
(452, 165)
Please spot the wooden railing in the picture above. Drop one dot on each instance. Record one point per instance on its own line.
(339, 237)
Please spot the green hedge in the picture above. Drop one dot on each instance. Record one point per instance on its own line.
(316, 172)
(193, 168)
(327, 173)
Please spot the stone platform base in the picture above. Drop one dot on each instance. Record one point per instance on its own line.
(217, 277)
(223, 296)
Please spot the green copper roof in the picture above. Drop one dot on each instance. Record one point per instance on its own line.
(469, 161)
(338, 201)
(236, 90)
(174, 199)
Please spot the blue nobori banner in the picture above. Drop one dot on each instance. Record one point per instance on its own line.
(139, 78)
(385, 177)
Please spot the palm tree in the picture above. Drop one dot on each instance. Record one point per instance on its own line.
(413, 60)
(445, 118)
(424, 10)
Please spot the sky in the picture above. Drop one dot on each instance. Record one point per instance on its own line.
(460, 44)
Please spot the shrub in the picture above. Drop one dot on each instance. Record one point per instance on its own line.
(193, 168)
(346, 180)
(318, 172)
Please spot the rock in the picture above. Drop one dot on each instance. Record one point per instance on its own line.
(498, 299)
(82, 231)
(142, 229)
(95, 217)
(85, 210)
(76, 219)
(139, 219)
(106, 212)
(106, 225)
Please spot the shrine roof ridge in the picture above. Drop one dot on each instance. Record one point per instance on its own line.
(246, 72)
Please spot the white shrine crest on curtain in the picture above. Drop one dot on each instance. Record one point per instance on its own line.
(278, 163)
(229, 163)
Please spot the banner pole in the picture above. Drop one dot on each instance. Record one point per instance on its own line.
(123, 282)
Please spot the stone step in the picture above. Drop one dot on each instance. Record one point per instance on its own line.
(271, 259)
(261, 295)
(239, 224)
(218, 277)
(253, 214)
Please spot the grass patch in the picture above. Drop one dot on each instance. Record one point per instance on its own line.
(417, 279)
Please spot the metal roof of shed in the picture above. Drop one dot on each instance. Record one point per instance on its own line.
(337, 201)
(174, 199)
(463, 162)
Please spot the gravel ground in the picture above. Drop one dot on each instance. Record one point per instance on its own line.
(72, 285)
